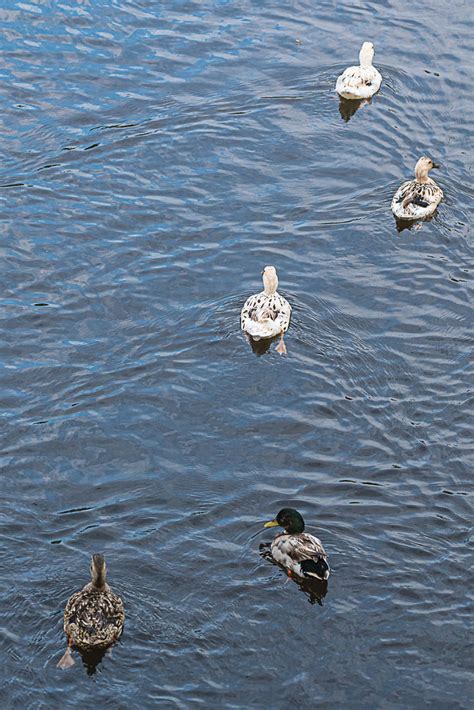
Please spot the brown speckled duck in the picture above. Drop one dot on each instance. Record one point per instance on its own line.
(93, 617)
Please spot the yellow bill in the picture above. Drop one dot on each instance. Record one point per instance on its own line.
(271, 524)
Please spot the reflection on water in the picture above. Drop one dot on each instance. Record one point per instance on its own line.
(91, 659)
(411, 224)
(262, 345)
(348, 107)
(314, 589)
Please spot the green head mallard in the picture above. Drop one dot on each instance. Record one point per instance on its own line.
(298, 552)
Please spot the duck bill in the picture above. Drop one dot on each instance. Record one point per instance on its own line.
(271, 524)
(436, 165)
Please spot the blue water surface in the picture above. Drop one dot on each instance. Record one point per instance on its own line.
(156, 155)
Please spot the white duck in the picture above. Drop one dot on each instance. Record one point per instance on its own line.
(418, 198)
(267, 314)
(360, 82)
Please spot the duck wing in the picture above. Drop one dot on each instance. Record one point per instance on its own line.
(419, 194)
(265, 316)
(94, 618)
(313, 558)
(351, 77)
(299, 547)
(358, 81)
(309, 546)
(265, 311)
(304, 554)
(413, 194)
(250, 307)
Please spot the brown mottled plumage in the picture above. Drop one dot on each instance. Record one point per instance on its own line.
(93, 617)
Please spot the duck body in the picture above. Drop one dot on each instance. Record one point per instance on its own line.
(299, 552)
(303, 554)
(266, 314)
(362, 81)
(93, 617)
(418, 198)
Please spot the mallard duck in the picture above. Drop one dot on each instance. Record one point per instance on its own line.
(93, 617)
(417, 198)
(299, 552)
(267, 314)
(363, 81)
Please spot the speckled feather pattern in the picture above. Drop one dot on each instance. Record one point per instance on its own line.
(290, 550)
(358, 82)
(415, 200)
(94, 618)
(264, 316)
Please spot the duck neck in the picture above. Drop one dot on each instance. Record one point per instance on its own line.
(99, 574)
(366, 56)
(99, 583)
(421, 176)
(270, 284)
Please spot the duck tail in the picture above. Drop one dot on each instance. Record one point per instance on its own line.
(267, 329)
(315, 568)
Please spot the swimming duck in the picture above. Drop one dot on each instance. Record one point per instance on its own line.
(363, 81)
(299, 552)
(267, 314)
(417, 198)
(93, 617)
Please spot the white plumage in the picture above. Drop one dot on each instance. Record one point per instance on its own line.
(418, 198)
(363, 81)
(266, 314)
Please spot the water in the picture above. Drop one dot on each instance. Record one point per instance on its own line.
(155, 157)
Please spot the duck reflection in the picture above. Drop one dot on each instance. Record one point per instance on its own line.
(314, 589)
(91, 659)
(262, 345)
(348, 107)
(402, 224)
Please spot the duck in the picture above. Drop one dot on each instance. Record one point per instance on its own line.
(418, 198)
(300, 553)
(363, 81)
(267, 314)
(93, 617)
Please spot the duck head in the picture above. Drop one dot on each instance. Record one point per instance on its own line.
(270, 280)
(98, 571)
(289, 519)
(422, 168)
(366, 55)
